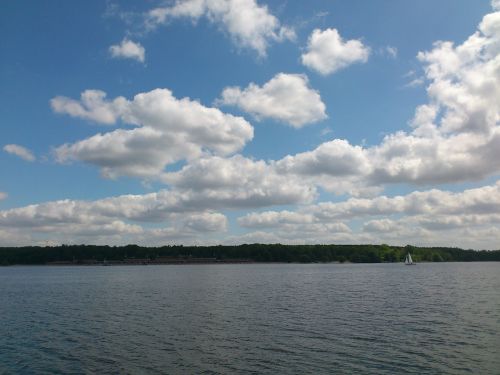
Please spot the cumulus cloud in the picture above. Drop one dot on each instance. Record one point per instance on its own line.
(91, 106)
(327, 52)
(238, 182)
(189, 208)
(400, 219)
(483, 201)
(337, 158)
(128, 49)
(114, 220)
(269, 219)
(249, 24)
(454, 138)
(19, 151)
(296, 234)
(165, 130)
(286, 97)
(207, 222)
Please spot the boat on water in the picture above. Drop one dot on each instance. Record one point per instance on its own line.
(409, 261)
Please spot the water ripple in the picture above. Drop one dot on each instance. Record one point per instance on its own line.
(251, 319)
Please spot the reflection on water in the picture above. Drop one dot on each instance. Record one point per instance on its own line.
(253, 318)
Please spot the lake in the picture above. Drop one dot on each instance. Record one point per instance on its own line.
(434, 318)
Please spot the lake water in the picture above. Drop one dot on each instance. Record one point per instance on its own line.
(251, 318)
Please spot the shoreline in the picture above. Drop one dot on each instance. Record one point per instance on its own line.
(220, 262)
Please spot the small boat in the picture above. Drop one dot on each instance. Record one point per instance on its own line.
(409, 261)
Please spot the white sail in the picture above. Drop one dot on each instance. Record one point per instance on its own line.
(408, 260)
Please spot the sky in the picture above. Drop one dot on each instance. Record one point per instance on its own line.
(243, 121)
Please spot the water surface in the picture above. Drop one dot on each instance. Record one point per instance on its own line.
(251, 318)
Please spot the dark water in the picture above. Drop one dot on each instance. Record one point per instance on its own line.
(239, 319)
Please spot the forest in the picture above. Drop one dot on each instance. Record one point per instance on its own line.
(134, 254)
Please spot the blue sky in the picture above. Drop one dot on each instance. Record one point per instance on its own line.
(233, 121)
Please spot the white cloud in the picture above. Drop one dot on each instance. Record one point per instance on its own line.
(188, 208)
(270, 219)
(337, 158)
(454, 138)
(483, 201)
(336, 166)
(495, 4)
(249, 24)
(2, 195)
(116, 220)
(91, 106)
(382, 225)
(428, 217)
(327, 52)
(478, 201)
(286, 97)
(128, 49)
(299, 234)
(237, 182)
(20, 151)
(166, 130)
(207, 222)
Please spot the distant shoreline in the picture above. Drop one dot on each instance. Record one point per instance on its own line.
(69, 264)
(248, 253)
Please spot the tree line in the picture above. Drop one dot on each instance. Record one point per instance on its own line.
(81, 254)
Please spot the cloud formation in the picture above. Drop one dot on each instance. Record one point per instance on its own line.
(165, 130)
(92, 106)
(128, 49)
(454, 138)
(286, 98)
(111, 220)
(427, 217)
(189, 209)
(19, 151)
(327, 52)
(249, 24)
(237, 182)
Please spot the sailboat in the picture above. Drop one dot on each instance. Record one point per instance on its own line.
(409, 261)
